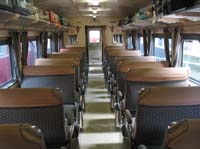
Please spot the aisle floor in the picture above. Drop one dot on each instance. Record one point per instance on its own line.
(99, 130)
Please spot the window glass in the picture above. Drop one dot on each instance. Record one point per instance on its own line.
(32, 52)
(141, 44)
(117, 38)
(5, 64)
(130, 42)
(159, 48)
(72, 39)
(49, 45)
(94, 36)
(191, 58)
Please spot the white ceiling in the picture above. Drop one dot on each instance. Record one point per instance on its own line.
(78, 8)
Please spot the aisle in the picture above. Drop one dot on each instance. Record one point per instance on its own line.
(99, 130)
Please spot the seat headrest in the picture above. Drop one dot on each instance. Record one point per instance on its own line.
(74, 49)
(183, 135)
(124, 53)
(158, 74)
(127, 66)
(48, 70)
(119, 60)
(65, 55)
(57, 61)
(23, 136)
(30, 97)
(170, 96)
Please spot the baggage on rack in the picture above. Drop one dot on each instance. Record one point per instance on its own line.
(24, 7)
(6, 4)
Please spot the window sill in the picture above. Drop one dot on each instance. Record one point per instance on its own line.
(192, 83)
(10, 84)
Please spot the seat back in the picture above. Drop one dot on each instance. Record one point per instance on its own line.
(119, 60)
(65, 62)
(77, 56)
(148, 77)
(62, 77)
(23, 136)
(127, 66)
(40, 107)
(183, 134)
(57, 61)
(158, 107)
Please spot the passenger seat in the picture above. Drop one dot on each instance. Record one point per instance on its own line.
(40, 107)
(156, 109)
(22, 136)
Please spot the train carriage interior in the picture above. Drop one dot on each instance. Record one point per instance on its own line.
(99, 74)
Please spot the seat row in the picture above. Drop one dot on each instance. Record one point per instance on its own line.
(51, 97)
(126, 75)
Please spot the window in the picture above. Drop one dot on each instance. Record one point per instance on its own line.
(49, 45)
(141, 45)
(191, 58)
(5, 64)
(32, 52)
(94, 36)
(72, 39)
(159, 48)
(129, 42)
(117, 38)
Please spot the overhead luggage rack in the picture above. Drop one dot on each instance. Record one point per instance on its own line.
(10, 20)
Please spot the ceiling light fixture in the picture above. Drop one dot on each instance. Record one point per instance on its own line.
(94, 16)
(95, 2)
(94, 11)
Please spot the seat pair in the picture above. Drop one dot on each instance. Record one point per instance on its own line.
(143, 77)
(156, 109)
(39, 107)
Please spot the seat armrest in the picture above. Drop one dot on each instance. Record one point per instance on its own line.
(128, 116)
(141, 147)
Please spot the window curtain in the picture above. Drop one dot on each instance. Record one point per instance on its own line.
(55, 42)
(135, 40)
(61, 40)
(145, 43)
(176, 46)
(24, 39)
(16, 49)
(45, 42)
(166, 44)
(40, 44)
(149, 41)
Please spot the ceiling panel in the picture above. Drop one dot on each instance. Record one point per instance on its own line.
(74, 8)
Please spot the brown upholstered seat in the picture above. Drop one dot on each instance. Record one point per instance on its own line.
(47, 70)
(62, 77)
(137, 79)
(158, 107)
(23, 136)
(183, 135)
(57, 61)
(158, 74)
(65, 55)
(124, 53)
(127, 66)
(73, 49)
(40, 107)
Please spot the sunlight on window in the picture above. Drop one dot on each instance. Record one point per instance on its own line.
(5, 64)
(94, 36)
(191, 58)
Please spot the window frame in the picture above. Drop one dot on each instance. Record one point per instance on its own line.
(138, 42)
(30, 39)
(13, 79)
(189, 37)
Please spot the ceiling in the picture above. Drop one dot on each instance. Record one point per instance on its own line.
(78, 8)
